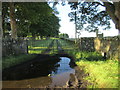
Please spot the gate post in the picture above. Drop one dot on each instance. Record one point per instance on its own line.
(27, 46)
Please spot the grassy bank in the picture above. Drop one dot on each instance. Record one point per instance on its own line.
(14, 60)
(101, 73)
(35, 47)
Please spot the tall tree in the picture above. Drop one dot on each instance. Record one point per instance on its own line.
(64, 35)
(30, 17)
(13, 20)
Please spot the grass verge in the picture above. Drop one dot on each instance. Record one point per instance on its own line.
(101, 73)
(14, 60)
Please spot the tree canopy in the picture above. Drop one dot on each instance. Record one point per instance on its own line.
(63, 35)
(89, 15)
(36, 18)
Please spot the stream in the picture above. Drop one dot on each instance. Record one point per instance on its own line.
(56, 72)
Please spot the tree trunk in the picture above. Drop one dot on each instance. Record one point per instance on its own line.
(117, 13)
(3, 22)
(1, 31)
(13, 21)
(114, 12)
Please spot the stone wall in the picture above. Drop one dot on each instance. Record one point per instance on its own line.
(107, 45)
(14, 47)
(86, 44)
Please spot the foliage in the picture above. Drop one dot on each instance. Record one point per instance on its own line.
(89, 15)
(36, 18)
(63, 35)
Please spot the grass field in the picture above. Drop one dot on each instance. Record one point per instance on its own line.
(67, 45)
(54, 49)
(38, 46)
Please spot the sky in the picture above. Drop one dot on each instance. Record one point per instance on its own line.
(69, 27)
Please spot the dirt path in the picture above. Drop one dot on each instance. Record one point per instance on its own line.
(49, 48)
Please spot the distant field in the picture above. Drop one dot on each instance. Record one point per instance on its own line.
(38, 46)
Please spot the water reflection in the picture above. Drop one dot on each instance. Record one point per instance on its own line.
(63, 66)
(31, 70)
(61, 77)
(35, 75)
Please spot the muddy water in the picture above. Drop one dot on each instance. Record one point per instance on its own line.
(40, 75)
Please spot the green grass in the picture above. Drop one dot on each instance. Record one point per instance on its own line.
(102, 73)
(54, 49)
(67, 46)
(35, 47)
(38, 46)
(14, 60)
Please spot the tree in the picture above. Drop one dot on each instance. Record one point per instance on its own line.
(31, 18)
(64, 35)
(13, 20)
(89, 14)
(47, 25)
